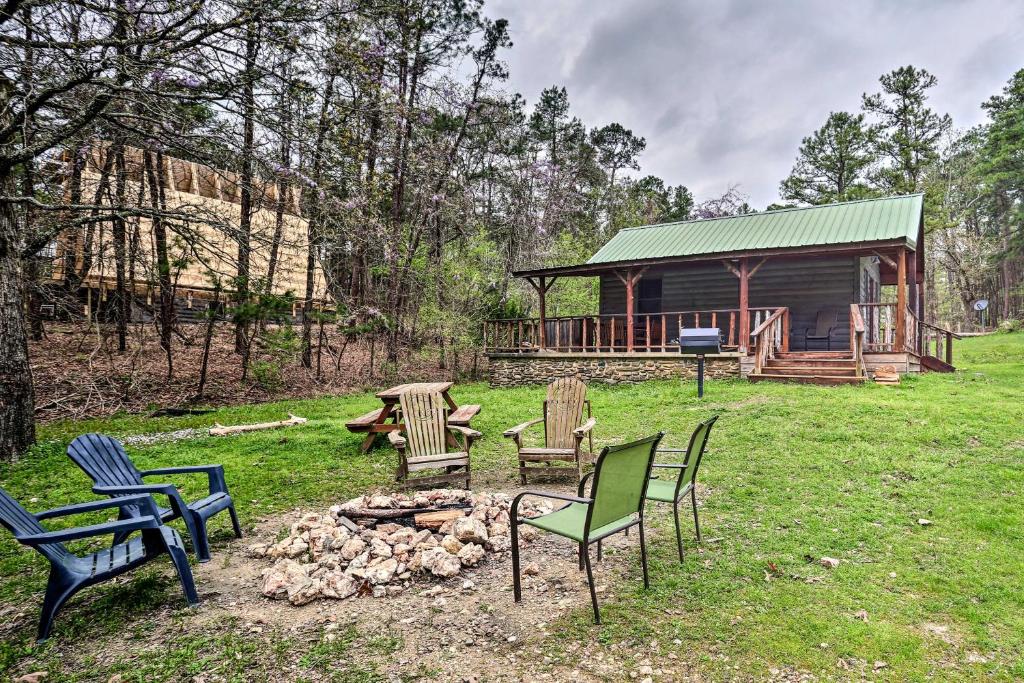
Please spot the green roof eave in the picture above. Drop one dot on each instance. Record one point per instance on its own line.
(848, 227)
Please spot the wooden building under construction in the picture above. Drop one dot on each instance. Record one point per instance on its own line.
(202, 206)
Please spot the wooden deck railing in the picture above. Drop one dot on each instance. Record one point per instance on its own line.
(857, 332)
(879, 326)
(769, 337)
(607, 333)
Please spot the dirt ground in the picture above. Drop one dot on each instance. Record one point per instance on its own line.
(467, 628)
(78, 372)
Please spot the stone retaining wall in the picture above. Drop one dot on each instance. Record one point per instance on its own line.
(515, 371)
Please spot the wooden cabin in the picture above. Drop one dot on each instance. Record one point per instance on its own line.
(826, 294)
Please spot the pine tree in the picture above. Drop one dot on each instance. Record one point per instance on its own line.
(832, 164)
(907, 131)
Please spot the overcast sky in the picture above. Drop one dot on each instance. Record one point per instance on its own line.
(725, 90)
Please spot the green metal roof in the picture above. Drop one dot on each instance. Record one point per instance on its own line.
(869, 220)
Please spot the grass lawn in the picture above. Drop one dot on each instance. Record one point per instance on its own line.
(793, 473)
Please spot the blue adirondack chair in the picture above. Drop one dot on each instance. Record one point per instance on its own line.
(104, 459)
(70, 573)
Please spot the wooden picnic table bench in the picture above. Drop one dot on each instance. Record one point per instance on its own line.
(388, 418)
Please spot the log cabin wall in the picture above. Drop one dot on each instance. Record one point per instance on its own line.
(806, 285)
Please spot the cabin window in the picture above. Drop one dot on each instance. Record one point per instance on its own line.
(649, 298)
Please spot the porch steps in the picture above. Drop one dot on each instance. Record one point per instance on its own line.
(826, 368)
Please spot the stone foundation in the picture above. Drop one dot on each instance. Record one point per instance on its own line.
(508, 370)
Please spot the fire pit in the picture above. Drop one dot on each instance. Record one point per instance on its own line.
(378, 544)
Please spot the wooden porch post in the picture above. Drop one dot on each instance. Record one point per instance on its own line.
(744, 339)
(629, 311)
(541, 291)
(901, 299)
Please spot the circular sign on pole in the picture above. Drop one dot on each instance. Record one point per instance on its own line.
(981, 304)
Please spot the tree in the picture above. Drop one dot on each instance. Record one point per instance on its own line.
(551, 124)
(88, 59)
(832, 163)
(732, 202)
(906, 132)
(1002, 169)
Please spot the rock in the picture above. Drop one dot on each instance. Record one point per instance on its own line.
(298, 547)
(531, 569)
(381, 502)
(440, 562)
(360, 561)
(338, 585)
(405, 535)
(471, 554)
(528, 533)
(278, 579)
(379, 548)
(34, 677)
(924, 522)
(470, 530)
(304, 593)
(259, 549)
(452, 544)
(383, 572)
(829, 562)
(352, 548)
(420, 536)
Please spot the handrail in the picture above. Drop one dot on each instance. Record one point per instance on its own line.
(768, 321)
(768, 336)
(943, 330)
(857, 330)
(943, 338)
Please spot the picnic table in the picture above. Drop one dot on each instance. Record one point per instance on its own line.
(388, 418)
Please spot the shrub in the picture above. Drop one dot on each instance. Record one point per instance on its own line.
(1010, 325)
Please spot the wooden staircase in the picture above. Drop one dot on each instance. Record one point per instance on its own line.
(826, 368)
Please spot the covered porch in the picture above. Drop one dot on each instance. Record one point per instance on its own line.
(874, 294)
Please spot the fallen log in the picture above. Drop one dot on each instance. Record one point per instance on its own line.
(220, 430)
(434, 520)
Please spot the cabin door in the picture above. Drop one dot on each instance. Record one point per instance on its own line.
(648, 307)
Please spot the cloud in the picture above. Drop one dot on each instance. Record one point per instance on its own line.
(725, 91)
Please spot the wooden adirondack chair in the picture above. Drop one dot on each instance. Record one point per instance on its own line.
(425, 441)
(564, 429)
(70, 573)
(104, 459)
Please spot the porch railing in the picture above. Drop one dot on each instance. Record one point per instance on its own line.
(880, 328)
(608, 333)
(770, 337)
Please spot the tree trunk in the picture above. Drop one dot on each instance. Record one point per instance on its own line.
(248, 142)
(210, 325)
(17, 401)
(312, 225)
(120, 235)
(165, 318)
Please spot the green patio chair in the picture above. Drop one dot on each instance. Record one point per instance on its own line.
(616, 503)
(685, 482)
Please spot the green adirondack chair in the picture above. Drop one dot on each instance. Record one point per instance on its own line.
(616, 503)
(674, 490)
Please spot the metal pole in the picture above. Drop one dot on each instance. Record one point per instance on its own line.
(700, 376)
